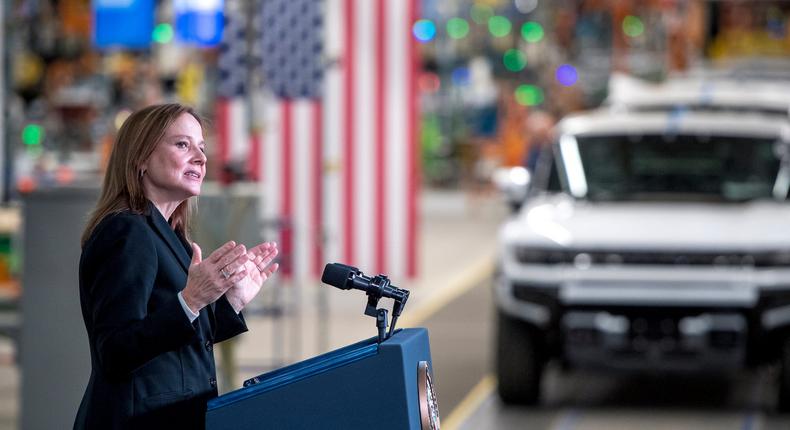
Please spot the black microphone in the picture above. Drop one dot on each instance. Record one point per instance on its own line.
(349, 277)
(338, 275)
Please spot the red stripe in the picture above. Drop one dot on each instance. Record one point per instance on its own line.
(223, 137)
(412, 168)
(287, 192)
(318, 138)
(254, 162)
(380, 118)
(348, 127)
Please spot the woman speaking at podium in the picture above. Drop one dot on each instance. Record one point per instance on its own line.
(153, 305)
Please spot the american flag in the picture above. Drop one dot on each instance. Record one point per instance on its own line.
(339, 142)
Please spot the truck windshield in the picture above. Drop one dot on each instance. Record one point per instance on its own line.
(679, 167)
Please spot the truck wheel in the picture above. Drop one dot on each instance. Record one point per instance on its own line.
(519, 361)
(783, 402)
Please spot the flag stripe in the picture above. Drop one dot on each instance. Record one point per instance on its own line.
(380, 213)
(412, 170)
(348, 121)
(334, 124)
(287, 184)
(397, 138)
(318, 177)
(254, 161)
(364, 137)
(239, 130)
(302, 119)
(273, 171)
(223, 136)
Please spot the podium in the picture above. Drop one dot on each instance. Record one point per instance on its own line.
(369, 384)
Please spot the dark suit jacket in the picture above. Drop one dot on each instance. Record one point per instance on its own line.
(150, 367)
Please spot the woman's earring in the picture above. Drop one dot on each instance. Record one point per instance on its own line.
(142, 172)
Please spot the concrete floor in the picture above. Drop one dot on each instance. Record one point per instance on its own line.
(588, 401)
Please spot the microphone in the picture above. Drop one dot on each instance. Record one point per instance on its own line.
(349, 277)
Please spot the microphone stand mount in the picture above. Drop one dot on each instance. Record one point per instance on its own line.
(374, 295)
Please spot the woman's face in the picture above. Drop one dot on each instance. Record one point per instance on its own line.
(176, 168)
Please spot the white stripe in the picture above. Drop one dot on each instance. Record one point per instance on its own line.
(239, 144)
(333, 135)
(259, 100)
(302, 188)
(397, 137)
(272, 168)
(262, 182)
(364, 190)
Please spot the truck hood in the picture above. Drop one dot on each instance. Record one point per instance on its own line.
(563, 221)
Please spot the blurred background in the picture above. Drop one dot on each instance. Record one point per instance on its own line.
(404, 137)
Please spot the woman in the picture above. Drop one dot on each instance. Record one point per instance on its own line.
(153, 307)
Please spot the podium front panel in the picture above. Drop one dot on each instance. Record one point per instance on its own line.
(362, 386)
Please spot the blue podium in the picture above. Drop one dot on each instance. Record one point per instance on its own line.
(370, 384)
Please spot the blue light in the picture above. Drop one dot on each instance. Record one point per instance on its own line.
(199, 22)
(424, 30)
(123, 24)
(461, 76)
(566, 75)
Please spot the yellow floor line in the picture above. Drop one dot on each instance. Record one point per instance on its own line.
(461, 283)
(470, 403)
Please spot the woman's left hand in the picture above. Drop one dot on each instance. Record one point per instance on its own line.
(259, 268)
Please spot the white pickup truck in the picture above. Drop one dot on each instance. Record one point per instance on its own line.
(648, 241)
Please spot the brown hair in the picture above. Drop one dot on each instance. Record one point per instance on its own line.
(122, 189)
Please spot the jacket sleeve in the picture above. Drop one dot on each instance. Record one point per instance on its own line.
(229, 323)
(120, 272)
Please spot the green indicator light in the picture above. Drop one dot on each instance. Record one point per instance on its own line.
(632, 26)
(529, 95)
(481, 13)
(499, 26)
(163, 33)
(457, 28)
(514, 60)
(32, 134)
(532, 32)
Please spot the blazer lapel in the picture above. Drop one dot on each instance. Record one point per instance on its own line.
(167, 234)
(182, 251)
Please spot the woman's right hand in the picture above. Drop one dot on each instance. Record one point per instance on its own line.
(208, 279)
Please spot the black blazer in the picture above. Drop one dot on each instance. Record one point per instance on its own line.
(150, 367)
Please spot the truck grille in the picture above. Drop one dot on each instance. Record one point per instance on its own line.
(529, 255)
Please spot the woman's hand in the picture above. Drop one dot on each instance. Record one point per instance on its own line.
(258, 268)
(209, 279)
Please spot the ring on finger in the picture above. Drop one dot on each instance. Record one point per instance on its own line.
(225, 274)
